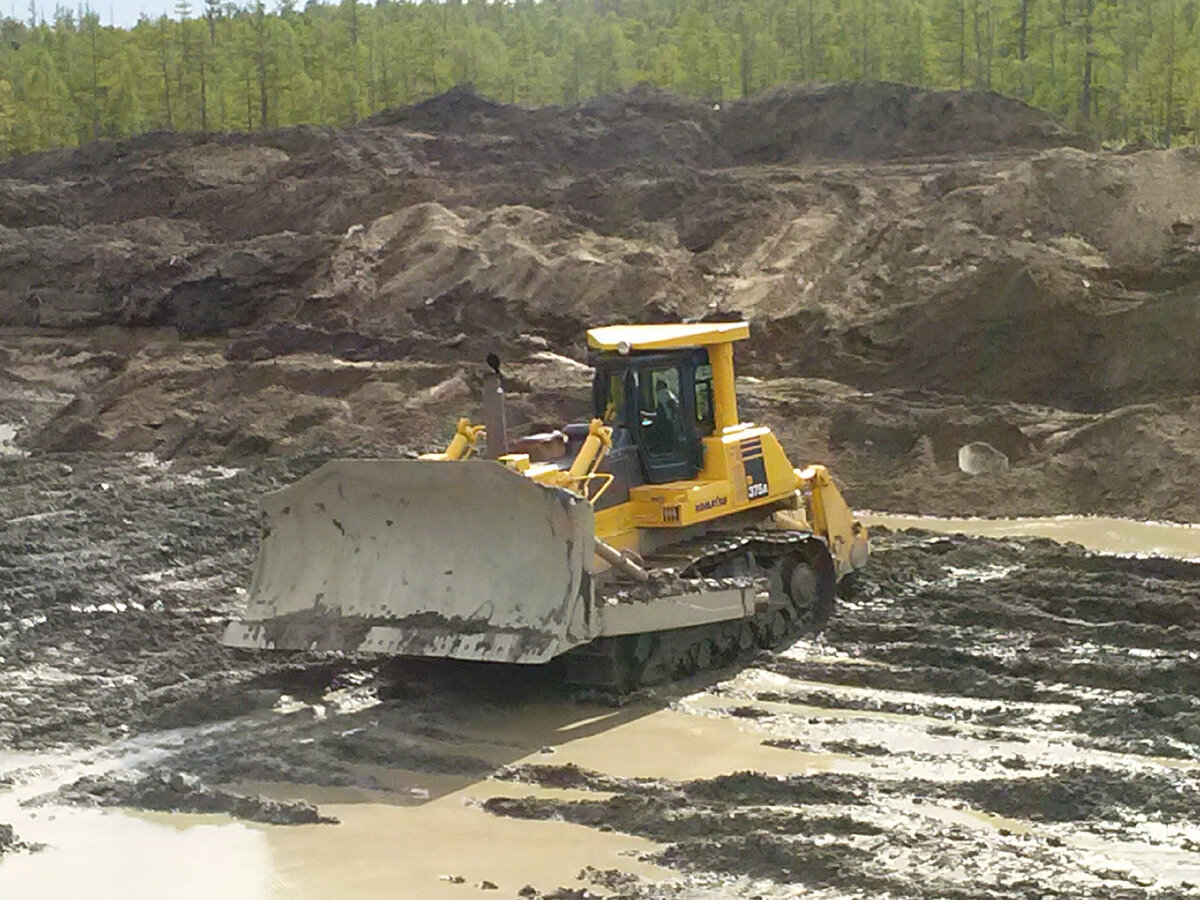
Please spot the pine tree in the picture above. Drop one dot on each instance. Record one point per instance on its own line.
(1121, 69)
(261, 30)
(8, 116)
(90, 23)
(165, 65)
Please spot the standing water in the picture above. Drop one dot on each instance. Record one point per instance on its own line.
(1098, 533)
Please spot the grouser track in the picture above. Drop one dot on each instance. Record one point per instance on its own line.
(712, 562)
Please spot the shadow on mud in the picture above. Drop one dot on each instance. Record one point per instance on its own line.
(399, 730)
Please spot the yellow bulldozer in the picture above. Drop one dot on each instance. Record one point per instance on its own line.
(663, 537)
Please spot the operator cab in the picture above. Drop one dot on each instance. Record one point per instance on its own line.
(663, 389)
(660, 405)
(667, 394)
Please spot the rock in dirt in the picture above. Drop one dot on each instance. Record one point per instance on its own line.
(181, 792)
(981, 458)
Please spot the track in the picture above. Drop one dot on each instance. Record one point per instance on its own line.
(793, 569)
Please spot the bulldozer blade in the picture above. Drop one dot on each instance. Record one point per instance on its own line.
(467, 560)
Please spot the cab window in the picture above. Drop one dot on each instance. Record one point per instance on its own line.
(613, 411)
(659, 412)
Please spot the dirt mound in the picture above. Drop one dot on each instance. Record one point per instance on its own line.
(461, 108)
(307, 391)
(335, 289)
(878, 120)
(899, 450)
(988, 279)
(202, 233)
(646, 126)
(181, 792)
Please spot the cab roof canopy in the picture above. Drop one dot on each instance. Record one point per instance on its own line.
(629, 338)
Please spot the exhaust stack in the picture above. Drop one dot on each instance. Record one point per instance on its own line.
(493, 410)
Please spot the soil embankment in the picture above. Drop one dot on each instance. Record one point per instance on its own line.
(922, 270)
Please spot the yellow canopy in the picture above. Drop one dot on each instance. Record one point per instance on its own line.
(666, 337)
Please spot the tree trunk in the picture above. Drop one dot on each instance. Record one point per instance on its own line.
(95, 78)
(962, 44)
(162, 28)
(920, 52)
(203, 89)
(1023, 40)
(1085, 89)
(864, 37)
(260, 28)
(812, 66)
(1168, 113)
(747, 53)
(249, 98)
(1023, 47)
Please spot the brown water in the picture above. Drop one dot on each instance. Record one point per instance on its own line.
(1104, 535)
(385, 851)
(400, 844)
(387, 845)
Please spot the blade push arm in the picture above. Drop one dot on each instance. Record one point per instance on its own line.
(832, 517)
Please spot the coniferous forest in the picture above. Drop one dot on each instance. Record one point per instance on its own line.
(1120, 70)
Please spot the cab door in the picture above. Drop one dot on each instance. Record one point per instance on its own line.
(662, 396)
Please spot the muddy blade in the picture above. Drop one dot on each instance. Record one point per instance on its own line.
(467, 560)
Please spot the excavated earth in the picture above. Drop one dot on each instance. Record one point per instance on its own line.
(189, 321)
(921, 271)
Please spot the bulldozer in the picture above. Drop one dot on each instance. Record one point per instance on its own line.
(663, 537)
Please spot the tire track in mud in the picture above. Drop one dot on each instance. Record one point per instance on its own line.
(1032, 621)
(116, 573)
(1003, 718)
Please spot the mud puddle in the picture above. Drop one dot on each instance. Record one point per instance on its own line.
(379, 850)
(135, 855)
(415, 834)
(647, 742)
(1098, 533)
(747, 773)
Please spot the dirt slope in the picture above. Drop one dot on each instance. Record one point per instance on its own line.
(311, 289)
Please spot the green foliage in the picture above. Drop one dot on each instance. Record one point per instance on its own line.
(8, 115)
(1121, 69)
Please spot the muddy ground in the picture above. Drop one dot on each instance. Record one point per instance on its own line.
(986, 718)
(187, 322)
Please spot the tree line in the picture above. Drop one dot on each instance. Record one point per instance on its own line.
(1122, 70)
